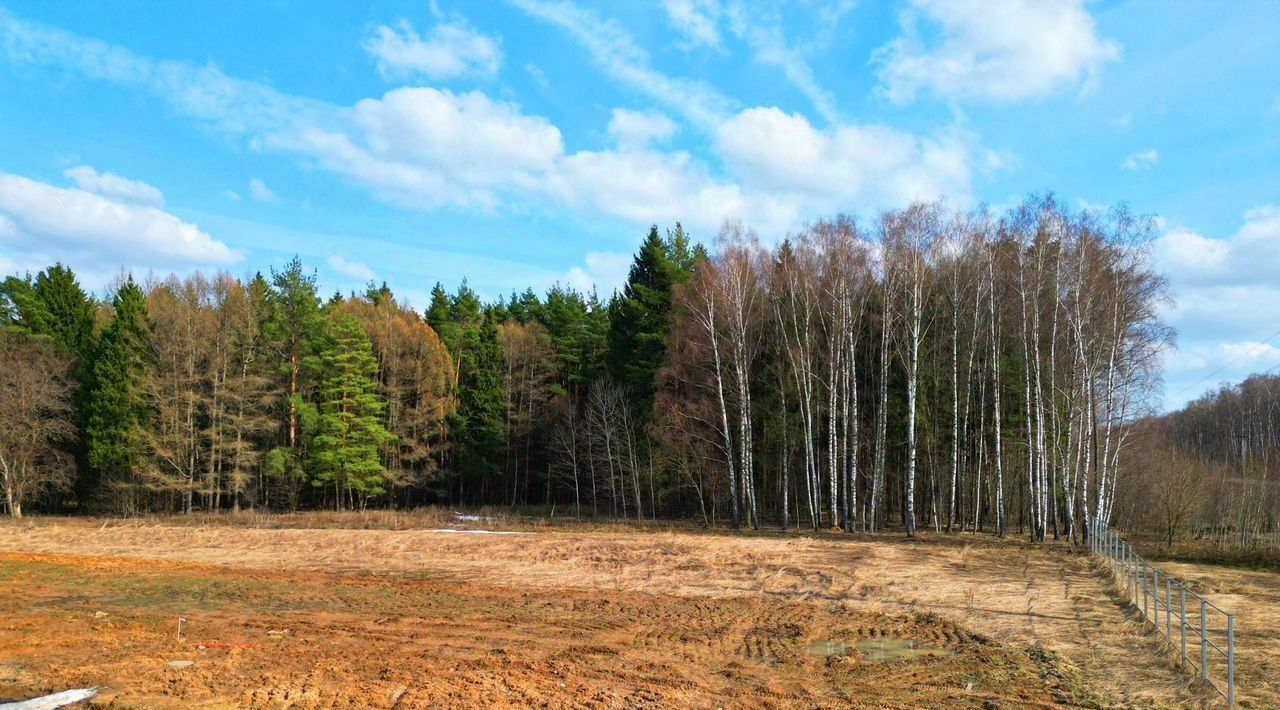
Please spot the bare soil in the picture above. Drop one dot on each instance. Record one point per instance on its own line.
(580, 618)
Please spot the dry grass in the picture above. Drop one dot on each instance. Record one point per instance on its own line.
(1036, 596)
(1254, 597)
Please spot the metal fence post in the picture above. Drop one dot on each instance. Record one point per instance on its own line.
(1146, 598)
(1133, 563)
(1155, 598)
(1168, 608)
(1231, 660)
(1204, 639)
(1182, 621)
(1111, 551)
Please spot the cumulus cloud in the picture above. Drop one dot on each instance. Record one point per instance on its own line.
(777, 152)
(113, 186)
(647, 186)
(452, 49)
(1228, 300)
(434, 147)
(259, 192)
(999, 50)
(426, 148)
(639, 129)
(1141, 160)
(351, 269)
(81, 227)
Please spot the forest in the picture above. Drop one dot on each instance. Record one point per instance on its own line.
(930, 368)
(1211, 470)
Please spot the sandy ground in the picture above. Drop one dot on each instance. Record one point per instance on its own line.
(669, 617)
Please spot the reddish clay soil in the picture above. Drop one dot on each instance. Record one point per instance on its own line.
(262, 638)
(586, 616)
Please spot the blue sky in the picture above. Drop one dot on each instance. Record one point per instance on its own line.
(525, 142)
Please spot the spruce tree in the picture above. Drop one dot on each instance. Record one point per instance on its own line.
(480, 431)
(640, 317)
(348, 431)
(54, 306)
(69, 308)
(117, 409)
(438, 317)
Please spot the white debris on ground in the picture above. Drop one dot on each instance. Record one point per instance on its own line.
(51, 702)
(476, 532)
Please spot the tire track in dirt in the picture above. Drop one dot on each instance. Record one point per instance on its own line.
(1032, 596)
(384, 642)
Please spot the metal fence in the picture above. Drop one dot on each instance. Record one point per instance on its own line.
(1143, 584)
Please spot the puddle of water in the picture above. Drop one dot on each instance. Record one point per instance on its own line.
(878, 650)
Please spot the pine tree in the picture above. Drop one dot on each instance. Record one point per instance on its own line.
(344, 451)
(118, 414)
(293, 328)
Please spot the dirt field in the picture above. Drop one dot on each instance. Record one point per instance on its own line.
(565, 618)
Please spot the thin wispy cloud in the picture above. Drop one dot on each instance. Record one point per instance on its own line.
(1142, 160)
(259, 192)
(425, 148)
(451, 49)
(697, 21)
(762, 30)
(351, 269)
(613, 49)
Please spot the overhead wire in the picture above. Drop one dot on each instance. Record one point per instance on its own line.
(1238, 358)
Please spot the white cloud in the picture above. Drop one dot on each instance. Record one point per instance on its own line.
(1000, 50)
(231, 195)
(637, 129)
(777, 152)
(351, 269)
(426, 148)
(648, 186)
(84, 228)
(115, 187)
(696, 20)
(1141, 160)
(539, 77)
(452, 49)
(616, 52)
(605, 271)
(1228, 300)
(259, 192)
(763, 32)
(433, 147)
(1250, 256)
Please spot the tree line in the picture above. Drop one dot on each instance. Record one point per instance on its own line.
(933, 367)
(1211, 470)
